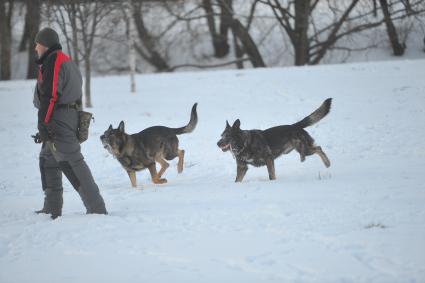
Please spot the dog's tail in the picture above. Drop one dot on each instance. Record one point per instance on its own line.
(316, 116)
(192, 123)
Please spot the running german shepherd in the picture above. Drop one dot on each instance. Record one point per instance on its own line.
(140, 151)
(259, 148)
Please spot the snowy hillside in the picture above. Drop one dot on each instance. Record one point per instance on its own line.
(361, 220)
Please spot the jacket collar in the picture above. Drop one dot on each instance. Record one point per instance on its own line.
(48, 52)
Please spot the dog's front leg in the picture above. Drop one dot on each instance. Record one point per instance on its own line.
(132, 175)
(242, 167)
(154, 175)
(270, 168)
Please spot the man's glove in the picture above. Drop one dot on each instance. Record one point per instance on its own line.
(45, 132)
(37, 138)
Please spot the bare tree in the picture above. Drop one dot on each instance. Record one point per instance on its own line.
(32, 25)
(6, 9)
(249, 46)
(219, 38)
(149, 47)
(296, 18)
(375, 8)
(89, 15)
(82, 19)
(243, 41)
(127, 11)
(398, 48)
(321, 38)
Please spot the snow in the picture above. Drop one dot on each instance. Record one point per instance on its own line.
(361, 220)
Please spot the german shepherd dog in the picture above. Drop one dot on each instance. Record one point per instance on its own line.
(140, 151)
(259, 148)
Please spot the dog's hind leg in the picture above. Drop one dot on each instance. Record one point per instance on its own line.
(271, 169)
(132, 175)
(300, 147)
(181, 161)
(318, 150)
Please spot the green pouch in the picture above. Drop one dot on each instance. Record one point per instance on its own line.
(83, 125)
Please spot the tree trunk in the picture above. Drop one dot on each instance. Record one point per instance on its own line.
(219, 40)
(301, 46)
(6, 8)
(153, 56)
(248, 44)
(398, 48)
(222, 46)
(72, 13)
(238, 51)
(25, 36)
(34, 18)
(87, 82)
(132, 63)
(375, 8)
(408, 6)
(131, 46)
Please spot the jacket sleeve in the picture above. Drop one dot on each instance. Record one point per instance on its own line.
(36, 99)
(45, 88)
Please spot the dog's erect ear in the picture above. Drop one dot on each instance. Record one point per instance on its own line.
(110, 128)
(236, 124)
(121, 127)
(227, 125)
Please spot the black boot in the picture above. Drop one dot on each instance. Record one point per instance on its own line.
(54, 216)
(45, 208)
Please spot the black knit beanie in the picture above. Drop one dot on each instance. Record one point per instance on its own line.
(47, 37)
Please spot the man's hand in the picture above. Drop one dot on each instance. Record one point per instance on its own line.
(37, 138)
(45, 132)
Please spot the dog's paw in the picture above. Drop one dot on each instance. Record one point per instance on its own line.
(160, 181)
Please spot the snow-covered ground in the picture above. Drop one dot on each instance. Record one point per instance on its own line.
(361, 220)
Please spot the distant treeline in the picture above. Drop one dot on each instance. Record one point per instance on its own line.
(108, 36)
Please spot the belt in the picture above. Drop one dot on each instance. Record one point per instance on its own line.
(68, 106)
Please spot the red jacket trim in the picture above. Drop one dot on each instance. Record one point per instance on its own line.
(60, 59)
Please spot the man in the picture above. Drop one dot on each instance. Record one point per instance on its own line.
(58, 97)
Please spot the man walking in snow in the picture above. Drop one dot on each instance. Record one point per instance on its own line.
(58, 97)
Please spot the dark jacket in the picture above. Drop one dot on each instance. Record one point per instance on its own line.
(59, 82)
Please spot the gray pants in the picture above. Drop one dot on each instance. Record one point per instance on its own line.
(64, 156)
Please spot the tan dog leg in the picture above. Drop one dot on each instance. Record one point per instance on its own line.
(181, 161)
(156, 177)
(164, 165)
(323, 156)
(132, 175)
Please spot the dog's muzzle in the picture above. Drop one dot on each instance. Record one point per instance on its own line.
(106, 145)
(224, 147)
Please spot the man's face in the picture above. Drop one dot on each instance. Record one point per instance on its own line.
(40, 49)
